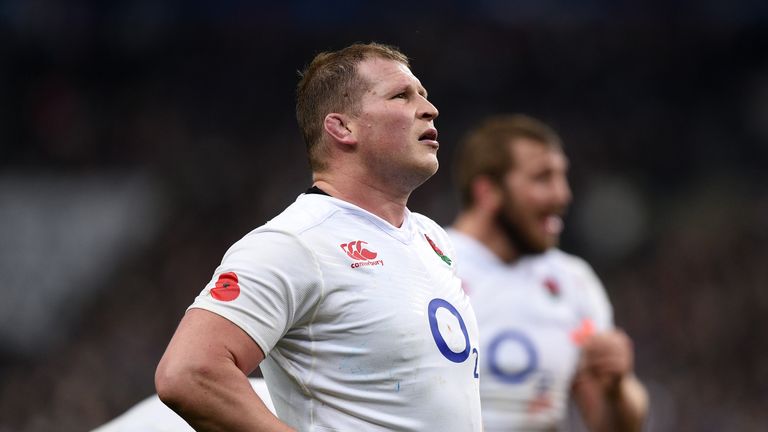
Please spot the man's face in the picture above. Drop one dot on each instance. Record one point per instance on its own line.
(536, 195)
(395, 126)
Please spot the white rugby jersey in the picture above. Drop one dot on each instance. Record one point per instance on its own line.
(365, 325)
(533, 314)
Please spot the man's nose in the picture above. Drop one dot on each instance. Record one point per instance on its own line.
(428, 111)
(563, 191)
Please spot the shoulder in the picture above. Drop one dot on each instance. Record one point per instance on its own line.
(463, 243)
(585, 283)
(306, 212)
(424, 221)
(429, 227)
(287, 230)
(283, 236)
(436, 234)
(570, 269)
(567, 263)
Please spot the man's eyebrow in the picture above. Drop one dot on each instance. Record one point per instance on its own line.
(410, 86)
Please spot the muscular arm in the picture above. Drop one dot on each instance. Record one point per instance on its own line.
(203, 376)
(605, 389)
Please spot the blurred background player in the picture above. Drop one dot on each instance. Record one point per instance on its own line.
(152, 415)
(546, 325)
(346, 296)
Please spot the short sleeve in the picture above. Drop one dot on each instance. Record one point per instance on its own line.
(596, 301)
(267, 283)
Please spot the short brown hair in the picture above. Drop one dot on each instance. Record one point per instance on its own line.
(331, 84)
(485, 150)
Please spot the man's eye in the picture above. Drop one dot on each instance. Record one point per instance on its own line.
(402, 95)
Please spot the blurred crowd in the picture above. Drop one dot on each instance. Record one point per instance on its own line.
(174, 134)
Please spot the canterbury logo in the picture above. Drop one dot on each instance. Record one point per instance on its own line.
(357, 252)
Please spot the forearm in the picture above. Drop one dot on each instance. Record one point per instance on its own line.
(625, 406)
(217, 400)
(610, 396)
(203, 376)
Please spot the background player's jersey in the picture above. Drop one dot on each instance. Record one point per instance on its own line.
(365, 325)
(152, 415)
(533, 315)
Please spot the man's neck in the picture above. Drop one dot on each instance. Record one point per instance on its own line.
(379, 201)
(485, 230)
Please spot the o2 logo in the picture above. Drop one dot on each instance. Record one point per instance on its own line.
(438, 311)
(506, 339)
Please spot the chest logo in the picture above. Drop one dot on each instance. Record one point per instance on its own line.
(553, 288)
(362, 256)
(437, 250)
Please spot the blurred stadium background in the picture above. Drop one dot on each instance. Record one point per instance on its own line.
(139, 138)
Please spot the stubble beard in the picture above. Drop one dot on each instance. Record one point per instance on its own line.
(404, 178)
(515, 231)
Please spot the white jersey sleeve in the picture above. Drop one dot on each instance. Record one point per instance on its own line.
(590, 292)
(364, 325)
(272, 282)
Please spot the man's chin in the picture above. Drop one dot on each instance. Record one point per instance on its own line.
(429, 167)
(538, 246)
(535, 250)
(549, 244)
(420, 173)
(527, 239)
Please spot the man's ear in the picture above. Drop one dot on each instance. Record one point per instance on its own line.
(337, 126)
(487, 193)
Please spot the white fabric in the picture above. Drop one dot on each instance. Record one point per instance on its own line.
(526, 330)
(151, 415)
(351, 341)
